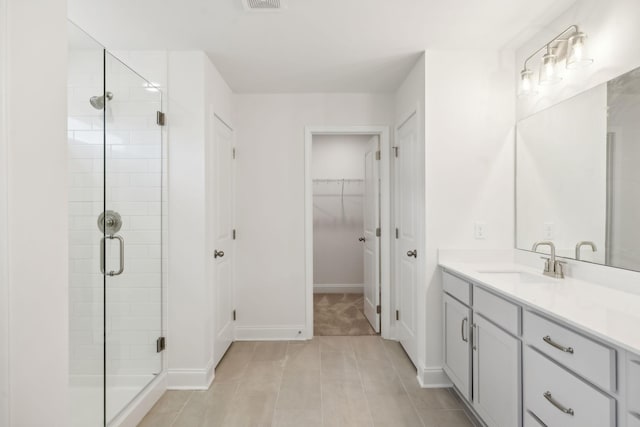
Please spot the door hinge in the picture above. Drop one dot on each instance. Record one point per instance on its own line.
(397, 314)
(395, 151)
(378, 309)
(233, 153)
(378, 232)
(234, 315)
(378, 155)
(233, 233)
(161, 344)
(397, 233)
(160, 118)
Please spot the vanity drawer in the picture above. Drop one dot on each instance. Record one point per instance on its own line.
(633, 384)
(590, 359)
(456, 287)
(502, 312)
(551, 391)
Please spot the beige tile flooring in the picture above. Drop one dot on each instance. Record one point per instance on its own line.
(328, 381)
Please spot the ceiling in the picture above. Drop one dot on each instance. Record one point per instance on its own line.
(313, 45)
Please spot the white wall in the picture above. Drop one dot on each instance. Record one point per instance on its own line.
(338, 216)
(37, 238)
(270, 201)
(470, 118)
(562, 175)
(195, 89)
(4, 226)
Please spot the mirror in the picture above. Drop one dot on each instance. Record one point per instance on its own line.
(578, 175)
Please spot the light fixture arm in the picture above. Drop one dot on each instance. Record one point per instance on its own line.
(548, 45)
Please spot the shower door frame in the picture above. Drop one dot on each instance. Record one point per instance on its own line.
(383, 133)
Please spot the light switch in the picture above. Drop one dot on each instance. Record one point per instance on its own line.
(548, 230)
(479, 230)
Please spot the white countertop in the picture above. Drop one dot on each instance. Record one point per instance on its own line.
(609, 314)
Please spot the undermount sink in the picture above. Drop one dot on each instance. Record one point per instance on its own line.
(498, 271)
(518, 276)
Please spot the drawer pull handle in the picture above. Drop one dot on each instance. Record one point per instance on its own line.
(547, 395)
(462, 328)
(552, 343)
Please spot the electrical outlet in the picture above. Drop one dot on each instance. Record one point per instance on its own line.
(548, 230)
(479, 230)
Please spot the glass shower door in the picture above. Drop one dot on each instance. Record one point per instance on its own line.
(132, 236)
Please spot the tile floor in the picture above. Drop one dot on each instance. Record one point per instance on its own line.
(329, 381)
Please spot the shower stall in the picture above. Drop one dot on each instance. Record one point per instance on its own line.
(115, 232)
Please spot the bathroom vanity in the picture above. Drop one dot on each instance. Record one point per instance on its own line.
(524, 349)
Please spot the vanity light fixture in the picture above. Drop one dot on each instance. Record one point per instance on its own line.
(571, 49)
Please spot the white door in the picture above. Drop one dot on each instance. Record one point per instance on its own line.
(457, 351)
(408, 218)
(222, 257)
(496, 374)
(371, 205)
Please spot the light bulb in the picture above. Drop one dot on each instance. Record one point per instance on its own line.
(576, 57)
(526, 83)
(548, 70)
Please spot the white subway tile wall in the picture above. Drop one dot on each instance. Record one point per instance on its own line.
(134, 157)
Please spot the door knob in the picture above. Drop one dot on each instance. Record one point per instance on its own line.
(217, 253)
(413, 253)
(361, 239)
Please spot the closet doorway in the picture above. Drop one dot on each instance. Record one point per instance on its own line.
(346, 206)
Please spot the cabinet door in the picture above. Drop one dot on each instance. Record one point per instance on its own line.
(457, 347)
(496, 375)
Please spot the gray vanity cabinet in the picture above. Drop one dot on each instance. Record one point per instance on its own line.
(482, 355)
(457, 345)
(496, 374)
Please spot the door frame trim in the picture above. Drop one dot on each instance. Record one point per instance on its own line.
(383, 132)
(5, 376)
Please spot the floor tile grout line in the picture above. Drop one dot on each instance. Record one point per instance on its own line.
(244, 372)
(182, 408)
(404, 386)
(364, 392)
(275, 405)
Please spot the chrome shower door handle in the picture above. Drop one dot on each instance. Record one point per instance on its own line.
(120, 240)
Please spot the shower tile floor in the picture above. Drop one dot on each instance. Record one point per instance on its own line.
(328, 381)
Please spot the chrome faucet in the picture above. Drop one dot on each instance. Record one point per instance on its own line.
(585, 243)
(552, 267)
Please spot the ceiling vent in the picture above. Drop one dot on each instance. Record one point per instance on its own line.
(263, 5)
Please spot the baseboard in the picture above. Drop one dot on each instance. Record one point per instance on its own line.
(270, 333)
(191, 379)
(338, 289)
(433, 378)
(142, 404)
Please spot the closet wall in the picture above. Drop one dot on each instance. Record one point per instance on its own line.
(338, 173)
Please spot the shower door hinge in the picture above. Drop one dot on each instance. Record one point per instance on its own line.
(378, 309)
(160, 118)
(395, 151)
(378, 232)
(397, 314)
(397, 233)
(234, 315)
(378, 155)
(233, 233)
(233, 153)
(161, 344)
